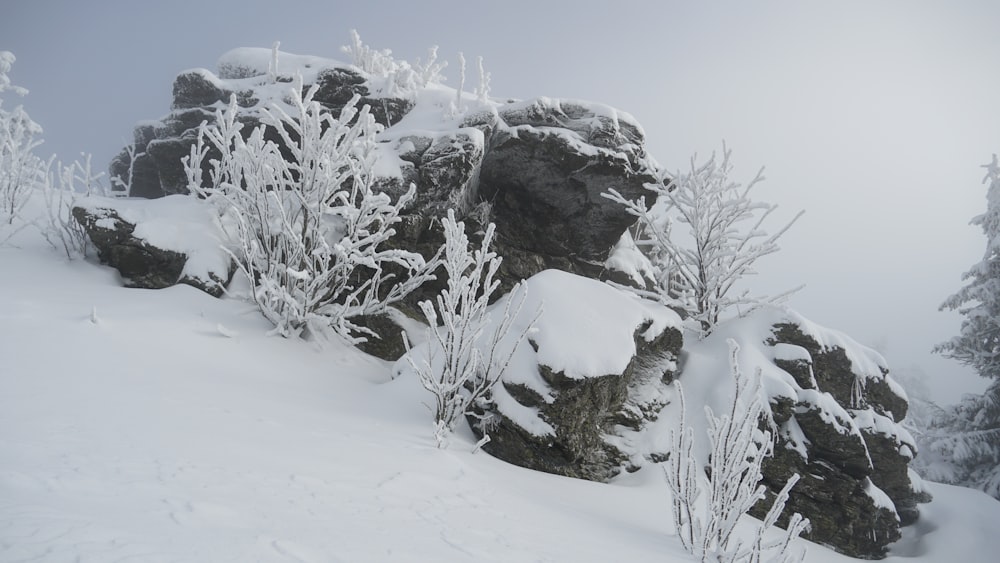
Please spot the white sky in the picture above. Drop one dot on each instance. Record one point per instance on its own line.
(874, 117)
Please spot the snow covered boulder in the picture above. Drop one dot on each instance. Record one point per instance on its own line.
(581, 377)
(158, 243)
(836, 416)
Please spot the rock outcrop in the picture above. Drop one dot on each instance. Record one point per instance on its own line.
(588, 396)
(535, 168)
(837, 417)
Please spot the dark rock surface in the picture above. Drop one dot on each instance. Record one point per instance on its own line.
(855, 487)
(197, 94)
(387, 342)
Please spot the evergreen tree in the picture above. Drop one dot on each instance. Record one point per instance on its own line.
(968, 434)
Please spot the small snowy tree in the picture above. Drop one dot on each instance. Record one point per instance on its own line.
(469, 337)
(970, 432)
(20, 169)
(724, 239)
(310, 227)
(61, 187)
(738, 448)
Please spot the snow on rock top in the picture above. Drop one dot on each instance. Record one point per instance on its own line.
(831, 402)
(586, 328)
(176, 223)
(791, 353)
(248, 62)
(577, 115)
(879, 497)
(866, 362)
(625, 257)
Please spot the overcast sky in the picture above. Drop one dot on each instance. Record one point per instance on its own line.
(874, 117)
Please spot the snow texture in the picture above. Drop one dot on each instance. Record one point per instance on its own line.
(248, 448)
(587, 327)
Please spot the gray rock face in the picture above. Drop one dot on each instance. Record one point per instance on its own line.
(855, 487)
(546, 194)
(547, 164)
(196, 88)
(160, 146)
(535, 168)
(140, 264)
(583, 413)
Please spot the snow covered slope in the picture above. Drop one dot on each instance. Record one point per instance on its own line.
(164, 426)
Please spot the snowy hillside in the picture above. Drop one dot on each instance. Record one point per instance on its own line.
(165, 426)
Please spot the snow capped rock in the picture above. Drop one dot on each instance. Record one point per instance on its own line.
(837, 418)
(158, 243)
(587, 367)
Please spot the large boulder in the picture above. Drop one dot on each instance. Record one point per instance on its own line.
(836, 415)
(581, 379)
(858, 380)
(158, 243)
(547, 165)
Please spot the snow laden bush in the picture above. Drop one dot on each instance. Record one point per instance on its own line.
(464, 357)
(309, 227)
(706, 526)
(20, 169)
(403, 79)
(724, 239)
(62, 186)
(23, 173)
(968, 435)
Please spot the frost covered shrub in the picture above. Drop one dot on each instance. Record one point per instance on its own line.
(20, 169)
(22, 173)
(62, 186)
(309, 228)
(403, 79)
(738, 448)
(698, 270)
(464, 357)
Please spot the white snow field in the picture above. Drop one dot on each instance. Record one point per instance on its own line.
(140, 425)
